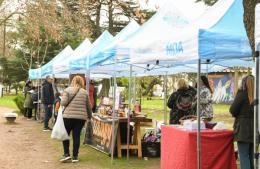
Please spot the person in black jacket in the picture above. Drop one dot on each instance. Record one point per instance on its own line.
(182, 102)
(243, 111)
(47, 100)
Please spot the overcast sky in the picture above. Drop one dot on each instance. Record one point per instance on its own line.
(191, 9)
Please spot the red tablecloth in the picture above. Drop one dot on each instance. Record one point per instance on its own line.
(179, 149)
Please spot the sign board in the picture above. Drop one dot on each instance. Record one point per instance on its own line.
(257, 27)
(102, 134)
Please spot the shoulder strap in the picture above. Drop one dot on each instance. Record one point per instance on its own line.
(71, 99)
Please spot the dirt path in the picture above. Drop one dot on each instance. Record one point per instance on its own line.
(24, 146)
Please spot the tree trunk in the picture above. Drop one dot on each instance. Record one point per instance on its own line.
(98, 11)
(105, 88)
(249, 21)
(110, 16)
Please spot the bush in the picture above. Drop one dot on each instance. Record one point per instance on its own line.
(19, 101)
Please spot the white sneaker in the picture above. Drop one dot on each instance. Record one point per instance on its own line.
(75, 160)
(65, 159)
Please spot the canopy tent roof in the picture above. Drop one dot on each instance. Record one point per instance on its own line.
(109, 51)
(82, 63)
(163, 23)
(217, 34)
(168, 37)
(64, 67)
(143, 42)
(48, 68)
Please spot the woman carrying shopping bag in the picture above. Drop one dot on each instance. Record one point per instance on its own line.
(77, 110)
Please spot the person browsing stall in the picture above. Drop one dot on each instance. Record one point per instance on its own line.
(28, 102)
(56, 105)
(75, 99)
(206, 108)
(182, 102)
(47, 100)
(243, 110)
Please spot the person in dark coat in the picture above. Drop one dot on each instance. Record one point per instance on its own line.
(182, 102)
(47, 100)
(28, 103)
(243, 111)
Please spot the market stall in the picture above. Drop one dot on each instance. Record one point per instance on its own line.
(179, 148)
(207, 44)
(215, 37)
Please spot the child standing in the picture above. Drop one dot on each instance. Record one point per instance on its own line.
(56, 105)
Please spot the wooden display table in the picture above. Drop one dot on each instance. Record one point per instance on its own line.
(139, 122)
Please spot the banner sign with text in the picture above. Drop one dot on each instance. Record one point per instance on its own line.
(102, 134)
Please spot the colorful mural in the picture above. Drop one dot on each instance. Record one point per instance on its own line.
(223, 86)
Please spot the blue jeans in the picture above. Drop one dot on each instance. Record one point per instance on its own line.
(48, 115)
(246, 154)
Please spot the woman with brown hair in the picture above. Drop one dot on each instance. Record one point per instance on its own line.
(77, 110)
(243, 111)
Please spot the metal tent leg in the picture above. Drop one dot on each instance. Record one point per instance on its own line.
(129, 110)
(165, 97)
(198, 113)
(256, 116)
(134, 94)
(113, 122)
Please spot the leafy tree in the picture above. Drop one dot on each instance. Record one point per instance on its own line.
(147, 84)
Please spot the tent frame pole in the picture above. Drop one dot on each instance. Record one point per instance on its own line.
(129, 110)
(113, 119)
(87, 74)
(165, 96)
(256, 115)
(198, 114)
(134, 94)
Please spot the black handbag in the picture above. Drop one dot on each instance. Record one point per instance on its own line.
(89, 132)
(151, 147)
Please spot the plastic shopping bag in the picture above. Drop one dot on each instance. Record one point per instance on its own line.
(59, 132)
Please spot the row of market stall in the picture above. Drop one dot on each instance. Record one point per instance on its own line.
(166, 44)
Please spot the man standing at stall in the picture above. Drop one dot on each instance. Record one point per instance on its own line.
(47, 100)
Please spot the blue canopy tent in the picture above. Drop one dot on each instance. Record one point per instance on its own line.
(63, 67)
(217, 37)
(82, 63)
(107, 53)
(212, 37)
(48, 68)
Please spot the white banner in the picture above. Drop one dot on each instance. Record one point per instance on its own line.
(257, 27)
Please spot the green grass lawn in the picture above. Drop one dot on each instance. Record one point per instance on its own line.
(8, 101)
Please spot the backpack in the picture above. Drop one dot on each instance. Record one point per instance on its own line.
(185, 101)
(34, 96)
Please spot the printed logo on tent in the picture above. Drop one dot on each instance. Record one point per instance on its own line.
(175, 21)
(174, 48)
